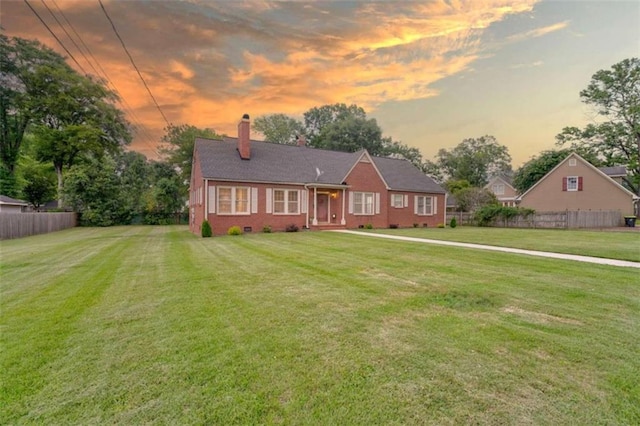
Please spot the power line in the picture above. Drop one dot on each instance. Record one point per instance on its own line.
(103, 74)
(132, 62)
(69, 36)
(56, 37)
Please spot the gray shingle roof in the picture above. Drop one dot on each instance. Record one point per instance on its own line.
(272, 162)
(614, 171)
(401, 175)
(8, 200)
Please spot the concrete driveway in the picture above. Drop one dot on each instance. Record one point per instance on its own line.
(575, 257)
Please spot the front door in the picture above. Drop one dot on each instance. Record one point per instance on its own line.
(323, 208)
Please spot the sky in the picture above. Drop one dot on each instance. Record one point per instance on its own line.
(432, 73)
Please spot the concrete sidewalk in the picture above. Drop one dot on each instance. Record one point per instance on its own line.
(575, 257)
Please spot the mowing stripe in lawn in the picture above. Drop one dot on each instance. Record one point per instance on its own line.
(589, 259)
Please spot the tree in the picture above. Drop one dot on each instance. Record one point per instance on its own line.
(397, 149)
(179, 152)
(475, 160)
(38, 190)
(350, 135)
(92, 189)
(337, 127)
(76, 118)
(21, 62)
(165, 198)
(279, 128)
(37, 181)
(456, 185)
(470, 199)
(135, 178)
(615, 96)
(317, 118)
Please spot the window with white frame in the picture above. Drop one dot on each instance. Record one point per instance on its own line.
(397, 201)
(572, 183)
(498, 188)
(233, 200)
(424, 205)
(363, 203)
(286, 201)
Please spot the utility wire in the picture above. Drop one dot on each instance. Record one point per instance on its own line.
(132, 62)
(69, 36)
(103, 74)
(56, 37)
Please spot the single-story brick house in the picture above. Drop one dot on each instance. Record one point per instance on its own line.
(253, 184)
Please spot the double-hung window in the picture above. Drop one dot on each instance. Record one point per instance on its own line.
(424, 205)
(286, 201)
(572, 183)
(233, 200)
(363, 203)
(397, 201)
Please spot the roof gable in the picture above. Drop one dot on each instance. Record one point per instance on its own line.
(575, 156)
(499, 179)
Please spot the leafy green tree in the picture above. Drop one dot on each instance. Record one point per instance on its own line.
(471, 199)
(397, 149)
(38, 190)
(615, 96)
(317, 119)
(456, 185)
(475, 160)
(21, 62)
(165, 199)
(351, 134)
(180, 142)
(37, 181)
(135, 178)
(77, 118)
(92, 189)
(279, 128)
(337, 127)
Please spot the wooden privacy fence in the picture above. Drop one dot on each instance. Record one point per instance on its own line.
(17, 225)
(561, 219)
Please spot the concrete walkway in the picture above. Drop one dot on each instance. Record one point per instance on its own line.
(598, 260)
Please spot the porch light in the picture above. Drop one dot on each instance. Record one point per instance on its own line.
(334, 195)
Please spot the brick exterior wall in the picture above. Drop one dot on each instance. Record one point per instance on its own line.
(362, 178)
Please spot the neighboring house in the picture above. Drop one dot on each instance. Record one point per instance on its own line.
(575, 184)
(504, 192)
(617, 173)
(253, 184)
(11, 205)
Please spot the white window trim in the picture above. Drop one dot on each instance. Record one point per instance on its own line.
(397, 201)
(286, 202)
(374, 206)
(575, 188)
(233, 201)
(426, 212)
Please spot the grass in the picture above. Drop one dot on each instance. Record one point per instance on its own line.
(607, 244)
(155, 325)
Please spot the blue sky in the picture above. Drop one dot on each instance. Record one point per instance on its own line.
(432, 73)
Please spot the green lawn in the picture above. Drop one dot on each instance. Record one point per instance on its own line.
(154, 325)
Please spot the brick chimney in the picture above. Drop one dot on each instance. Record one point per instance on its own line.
(244, 145)
(300, 140)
